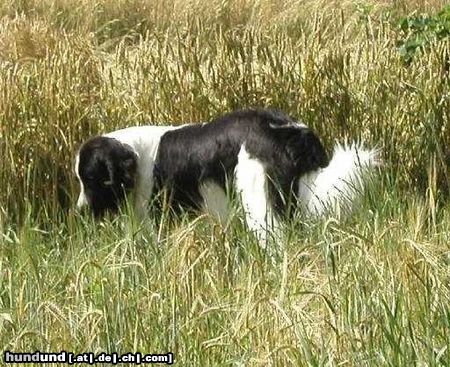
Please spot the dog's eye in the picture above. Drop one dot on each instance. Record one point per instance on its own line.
(88, 178)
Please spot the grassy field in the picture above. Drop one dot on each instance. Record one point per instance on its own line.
(373, 290)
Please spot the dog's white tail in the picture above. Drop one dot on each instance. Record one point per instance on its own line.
(335, 190)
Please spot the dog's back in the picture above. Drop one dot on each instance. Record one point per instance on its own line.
(197, 154)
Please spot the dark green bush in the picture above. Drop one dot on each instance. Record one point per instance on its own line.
(419, 31)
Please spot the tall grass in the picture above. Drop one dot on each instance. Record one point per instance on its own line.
(373, 290)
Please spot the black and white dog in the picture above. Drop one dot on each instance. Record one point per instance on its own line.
(271, 160)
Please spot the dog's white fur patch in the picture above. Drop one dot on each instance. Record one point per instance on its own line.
(82, 200)
(145, 141)
(335, 190)
(251, 184)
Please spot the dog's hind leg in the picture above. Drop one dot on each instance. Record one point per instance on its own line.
(251, 184)
(215, 201)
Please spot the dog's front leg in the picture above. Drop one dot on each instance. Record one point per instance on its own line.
(143, 193)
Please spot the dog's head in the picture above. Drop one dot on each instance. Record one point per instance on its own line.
(106, 169)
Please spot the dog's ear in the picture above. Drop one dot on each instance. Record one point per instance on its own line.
(307, 151)
(128, 167)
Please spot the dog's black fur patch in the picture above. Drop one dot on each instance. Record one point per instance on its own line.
(194, 154)
(107, 169)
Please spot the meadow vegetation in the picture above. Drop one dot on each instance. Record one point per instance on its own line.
(369, 290)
